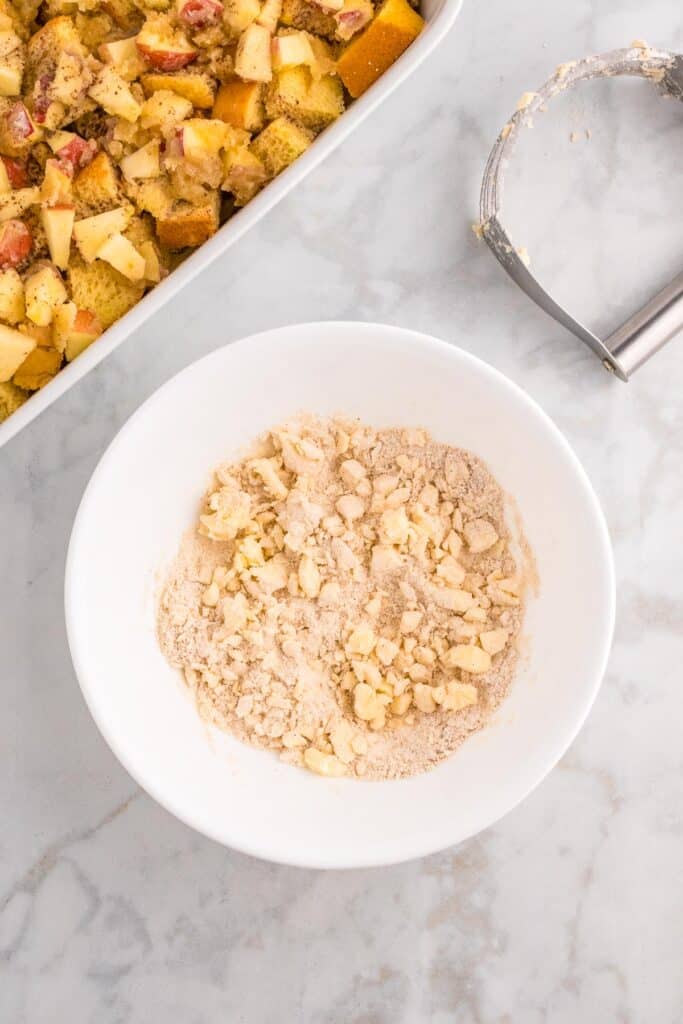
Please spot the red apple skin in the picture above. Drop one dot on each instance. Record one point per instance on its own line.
(16, 172)
(87, 323)
(16, 242)
(19, 121)
(200, 13)
(41, 103)
(78, 153)
(167, 60)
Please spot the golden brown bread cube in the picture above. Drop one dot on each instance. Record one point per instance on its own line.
(240, 104)
(125, 13)
(313, 104)
(280, 143)
(299, 14)
(11, 397)
(56, 35)
(38, 369)
(187, 226)
(97, 185)
(101, 289)
(195, 86)
(368, 56)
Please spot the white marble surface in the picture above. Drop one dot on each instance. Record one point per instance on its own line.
(568, 910)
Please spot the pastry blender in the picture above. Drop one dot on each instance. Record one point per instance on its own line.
(647, 330)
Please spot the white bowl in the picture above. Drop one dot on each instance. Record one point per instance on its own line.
(144, 494)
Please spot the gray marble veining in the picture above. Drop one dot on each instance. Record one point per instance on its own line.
(570, 908)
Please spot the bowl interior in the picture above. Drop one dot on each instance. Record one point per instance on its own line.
(143, 496)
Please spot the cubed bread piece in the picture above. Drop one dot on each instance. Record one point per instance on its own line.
(101, 289)
(368, 56)
(280, 143)
(314, 104)
(11, 397)
(311, 17)
(94, 29)
(14, 347)
(39, 367)
(186, 225)
(126, 13)
(196, 86)
(245, 175)
(164, 109)
(240, 104)
(97, 185)
(56, 35)
(155, 196)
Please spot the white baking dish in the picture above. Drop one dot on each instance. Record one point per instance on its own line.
(439, 15)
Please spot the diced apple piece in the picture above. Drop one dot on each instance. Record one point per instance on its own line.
(149, 253)
(17, 131)
(14, 347)
(58, 222)
(16, 242)
(199, 13)
(163, 109)
(290, 50)
(165, 48)
(77, 151)
(14, 171)
(352, 17)
(114, 95)
(270, 14)
(239, 14)
(44, 291)
(12, 308)
(240, 104)
(11, 74)
(56, 187)
(123, 256)
(5, 184)
(74, 329)
(201, 138)
(58, 140)
(125, 56)
(92, 232)
(143, 163)
(252, 59)
(9, 40)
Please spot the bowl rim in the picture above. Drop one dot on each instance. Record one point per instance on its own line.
(413, 847)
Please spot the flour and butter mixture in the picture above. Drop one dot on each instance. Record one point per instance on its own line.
(349, 598)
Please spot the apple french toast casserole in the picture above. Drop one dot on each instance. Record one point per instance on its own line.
(131, 129)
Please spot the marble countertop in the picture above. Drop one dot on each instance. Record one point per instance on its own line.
(567, 910)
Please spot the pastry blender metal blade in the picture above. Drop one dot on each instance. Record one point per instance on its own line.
(651, 327)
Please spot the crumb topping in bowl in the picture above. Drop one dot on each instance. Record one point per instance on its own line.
(350, 598)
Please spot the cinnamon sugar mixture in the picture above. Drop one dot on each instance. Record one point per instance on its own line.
(349, 599)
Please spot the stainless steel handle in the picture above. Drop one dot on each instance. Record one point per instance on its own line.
(661, 318)
(649, 329)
